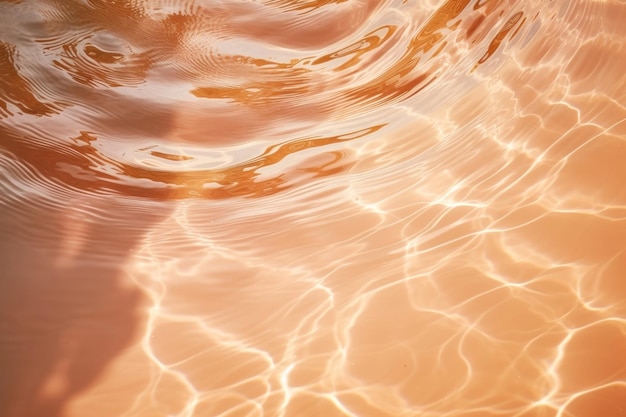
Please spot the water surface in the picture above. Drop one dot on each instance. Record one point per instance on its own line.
(312, 208)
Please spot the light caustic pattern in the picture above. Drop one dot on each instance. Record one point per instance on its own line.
(313, 208)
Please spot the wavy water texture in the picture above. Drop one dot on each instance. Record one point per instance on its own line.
(312, 208)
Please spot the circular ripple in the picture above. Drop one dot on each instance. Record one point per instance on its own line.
(240, 98)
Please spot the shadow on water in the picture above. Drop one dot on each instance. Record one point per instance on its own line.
(65, 237)
(65, 312)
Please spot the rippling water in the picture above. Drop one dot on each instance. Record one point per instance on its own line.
(312, 208)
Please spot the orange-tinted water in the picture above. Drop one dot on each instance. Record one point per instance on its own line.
(312, 208)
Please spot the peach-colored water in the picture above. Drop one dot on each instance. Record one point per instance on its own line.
(312, 208)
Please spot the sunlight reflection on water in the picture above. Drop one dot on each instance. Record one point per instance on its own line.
(312, 208)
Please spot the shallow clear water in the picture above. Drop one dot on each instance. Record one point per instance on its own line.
(312, 208)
